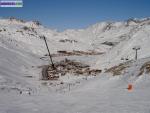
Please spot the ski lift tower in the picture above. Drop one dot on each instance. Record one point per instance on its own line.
(136, 48)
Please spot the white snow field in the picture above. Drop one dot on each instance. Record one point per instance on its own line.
(22, 53)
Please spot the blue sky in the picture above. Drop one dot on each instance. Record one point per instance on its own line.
(64, 14)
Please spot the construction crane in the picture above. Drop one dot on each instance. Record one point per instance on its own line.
(51, 60)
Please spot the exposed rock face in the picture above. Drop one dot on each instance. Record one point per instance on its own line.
(145, 68)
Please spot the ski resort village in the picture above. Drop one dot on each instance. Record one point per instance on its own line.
(104, 68)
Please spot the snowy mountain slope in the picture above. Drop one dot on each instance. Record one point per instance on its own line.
(21, 50)
(114, 39)
(94, 37)
(104, 93)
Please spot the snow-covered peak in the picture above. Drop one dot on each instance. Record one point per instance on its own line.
(105, 37)
(14, 21)
(135, 21)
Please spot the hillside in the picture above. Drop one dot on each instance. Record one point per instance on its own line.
(106, 46)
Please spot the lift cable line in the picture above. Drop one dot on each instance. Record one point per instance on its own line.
(48, 51)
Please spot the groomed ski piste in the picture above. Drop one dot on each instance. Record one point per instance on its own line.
(23, 53)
